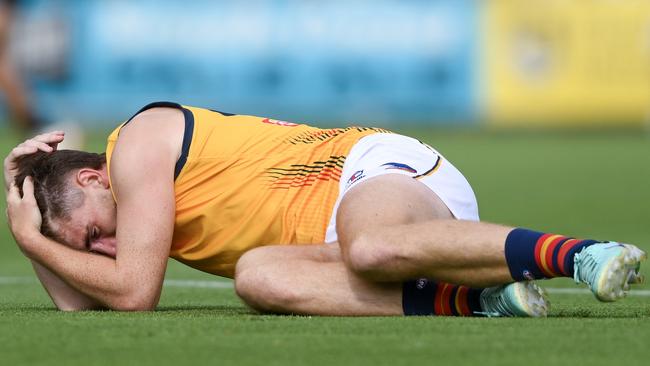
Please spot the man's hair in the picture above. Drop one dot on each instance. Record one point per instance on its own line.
(55, 196)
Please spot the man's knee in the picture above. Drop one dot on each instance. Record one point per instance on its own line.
(372, 255)
(260, 288)
(373, 219)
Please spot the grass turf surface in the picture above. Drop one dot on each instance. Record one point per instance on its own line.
(591, 185)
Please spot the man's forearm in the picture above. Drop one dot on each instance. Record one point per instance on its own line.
(95, 276)
(63, 295)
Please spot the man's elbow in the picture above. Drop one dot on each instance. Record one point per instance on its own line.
(118, 305)
(135, 303)
(71, 307)
(77, 304)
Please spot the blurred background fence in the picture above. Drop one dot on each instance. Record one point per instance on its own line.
(460, 62)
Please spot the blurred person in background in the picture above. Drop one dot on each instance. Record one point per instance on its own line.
(17, 100)
(51, 53)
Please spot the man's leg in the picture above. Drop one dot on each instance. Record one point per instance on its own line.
(396, 233)
(312, 280)
(392, 228)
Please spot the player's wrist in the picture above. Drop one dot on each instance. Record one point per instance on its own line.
(27, 238)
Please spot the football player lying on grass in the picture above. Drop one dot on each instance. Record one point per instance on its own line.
(344, 221)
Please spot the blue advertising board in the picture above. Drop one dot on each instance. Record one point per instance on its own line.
(366, 61)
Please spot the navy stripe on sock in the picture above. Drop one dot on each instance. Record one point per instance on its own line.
(568, 260)
(474, 299)
(520, 254)
(418, 297)
(556, 252)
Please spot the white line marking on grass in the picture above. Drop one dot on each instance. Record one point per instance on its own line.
(16, 280)
(7, 280)
(576, 291)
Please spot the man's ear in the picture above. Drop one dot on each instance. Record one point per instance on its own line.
(88, 176)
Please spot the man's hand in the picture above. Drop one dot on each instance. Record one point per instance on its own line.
(46, 142)
(23, 214)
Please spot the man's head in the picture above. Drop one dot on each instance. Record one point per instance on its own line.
(73, 195)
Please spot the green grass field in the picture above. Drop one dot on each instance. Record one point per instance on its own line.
(593, 185)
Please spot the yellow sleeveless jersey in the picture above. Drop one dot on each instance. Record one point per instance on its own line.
(245, 181)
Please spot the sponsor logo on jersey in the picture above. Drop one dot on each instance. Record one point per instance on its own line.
(399, 166)
(355, 178)
(279, 123)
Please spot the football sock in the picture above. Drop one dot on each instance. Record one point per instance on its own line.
(533, 255)
(424, 297)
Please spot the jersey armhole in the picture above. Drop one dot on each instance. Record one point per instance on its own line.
(187, 134)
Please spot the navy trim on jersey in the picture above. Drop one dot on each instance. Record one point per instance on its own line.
(187, 134)
(187, 141)
(223, 113)
(155, 105)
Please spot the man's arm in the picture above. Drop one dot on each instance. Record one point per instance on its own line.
(63, 296)
(142, 177)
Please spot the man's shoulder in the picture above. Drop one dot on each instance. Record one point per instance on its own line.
(154, 121)
(156, 134)
(156, 128)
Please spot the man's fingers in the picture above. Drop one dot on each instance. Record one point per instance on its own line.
(51, 139)
(31, 146)
(28, 189)
(21, 150)
(23, 213)
(13, 188)
(13, 195)
(45, 142)
(50, 136)
(39, 145)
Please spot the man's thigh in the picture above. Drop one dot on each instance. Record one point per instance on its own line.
(284, 254)
(385, 200)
